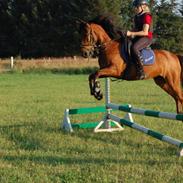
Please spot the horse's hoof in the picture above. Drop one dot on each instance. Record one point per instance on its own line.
(98, 96)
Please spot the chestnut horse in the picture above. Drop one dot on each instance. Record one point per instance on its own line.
(167, 71)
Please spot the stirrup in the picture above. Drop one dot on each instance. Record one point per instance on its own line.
(141, 76)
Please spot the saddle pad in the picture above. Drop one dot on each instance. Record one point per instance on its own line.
(148, 56)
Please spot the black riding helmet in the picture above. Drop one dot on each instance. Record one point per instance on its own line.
(140, 2)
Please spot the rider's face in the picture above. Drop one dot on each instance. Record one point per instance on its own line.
(138, 9)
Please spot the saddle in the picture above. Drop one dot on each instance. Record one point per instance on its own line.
(146, 53)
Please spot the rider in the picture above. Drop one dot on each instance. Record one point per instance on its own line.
(142, 33)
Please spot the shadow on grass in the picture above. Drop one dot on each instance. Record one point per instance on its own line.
(147, 147)
(15, 126)
(54, 161)
(107, 138)
(22, 136)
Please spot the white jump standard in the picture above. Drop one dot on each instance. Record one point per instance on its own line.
(106, 125)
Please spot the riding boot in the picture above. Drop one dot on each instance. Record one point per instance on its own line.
(139, 66)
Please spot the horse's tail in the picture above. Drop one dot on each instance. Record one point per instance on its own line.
(181, 63)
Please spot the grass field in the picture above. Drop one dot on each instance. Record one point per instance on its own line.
(33, 148)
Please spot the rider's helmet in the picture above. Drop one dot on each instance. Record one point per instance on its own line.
(140, 2)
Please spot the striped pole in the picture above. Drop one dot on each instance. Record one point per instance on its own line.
(68, 126)
(129, 109)
(149, 132)
(86, 110)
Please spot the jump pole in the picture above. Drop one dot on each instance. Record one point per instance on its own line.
(150, 132)
(128, 121)
(68, 126)
(151, 113)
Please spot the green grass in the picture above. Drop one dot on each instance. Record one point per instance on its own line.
(34, 149)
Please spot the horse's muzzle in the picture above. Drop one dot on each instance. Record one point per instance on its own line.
(87, 53)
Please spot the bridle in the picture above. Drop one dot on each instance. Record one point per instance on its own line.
(94, 45)
(91, 41)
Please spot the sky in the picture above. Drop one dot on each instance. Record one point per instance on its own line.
(178, 1)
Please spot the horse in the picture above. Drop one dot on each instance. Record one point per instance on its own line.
(167, 71)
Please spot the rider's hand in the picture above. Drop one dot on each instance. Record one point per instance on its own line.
(129, 33)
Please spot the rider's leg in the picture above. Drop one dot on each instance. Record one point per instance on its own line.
(137, 46)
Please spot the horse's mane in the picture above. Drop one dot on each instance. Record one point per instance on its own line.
(106, 22)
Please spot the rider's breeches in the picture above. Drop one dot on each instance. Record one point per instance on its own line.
(139, 44)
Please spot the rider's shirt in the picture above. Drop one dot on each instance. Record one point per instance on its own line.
(141, 19)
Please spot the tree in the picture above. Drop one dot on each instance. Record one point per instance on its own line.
(8, 44)
(90, 9)
(169, 27)
(39, 28)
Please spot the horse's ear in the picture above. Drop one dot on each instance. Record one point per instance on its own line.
(83, 26)
(80, 21)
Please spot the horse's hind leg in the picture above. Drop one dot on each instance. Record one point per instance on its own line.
(173, 89)
(175, 83)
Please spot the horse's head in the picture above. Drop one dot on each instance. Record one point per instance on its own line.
(95, 33)
(88, 40)
(92, 37)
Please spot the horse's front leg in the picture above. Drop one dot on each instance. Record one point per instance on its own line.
(102, 73)
(95, 86)
(91, 83)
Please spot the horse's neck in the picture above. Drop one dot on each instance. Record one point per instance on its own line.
(103, 38)
(101, 35)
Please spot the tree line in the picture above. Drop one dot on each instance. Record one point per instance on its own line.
(47, 28)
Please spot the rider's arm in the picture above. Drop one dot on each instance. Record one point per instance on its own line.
(143, 32)
(145, 29)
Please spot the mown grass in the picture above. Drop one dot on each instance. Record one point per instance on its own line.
(33, 148)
